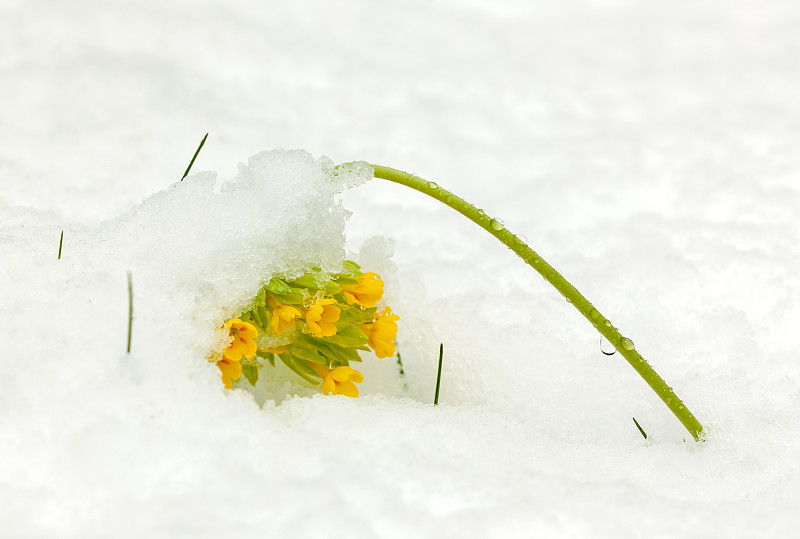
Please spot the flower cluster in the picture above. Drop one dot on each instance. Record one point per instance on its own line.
(315, 324)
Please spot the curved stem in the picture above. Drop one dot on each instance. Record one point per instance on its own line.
(602, 324)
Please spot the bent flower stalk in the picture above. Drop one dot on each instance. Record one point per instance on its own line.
(496, 228)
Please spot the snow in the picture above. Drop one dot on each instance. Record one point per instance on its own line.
(648, 151)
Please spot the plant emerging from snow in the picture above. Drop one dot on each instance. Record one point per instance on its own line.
(315, 324)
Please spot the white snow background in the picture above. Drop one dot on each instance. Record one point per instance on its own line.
(648, 150)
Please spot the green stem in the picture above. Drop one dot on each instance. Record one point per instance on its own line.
(496, 228)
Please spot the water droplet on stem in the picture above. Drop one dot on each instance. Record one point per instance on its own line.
(606, 347)
(497, 224)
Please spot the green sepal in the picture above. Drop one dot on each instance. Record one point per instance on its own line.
(302, 349)
(250, 370)
(300, 367)
(351, 268)
(277, 286)
(305, 281)
(349, 336)
(334, 353)
(332, 288)
(260, 299)
(255, 319)
(265, 317)
(293, 296)
(269, 356)
(354, 314)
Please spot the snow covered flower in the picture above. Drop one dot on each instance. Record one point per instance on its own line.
(339, 381)
(367, 291)
(320, 317)
(231, 370)
(243, 341)
(337, 308)
(382, 332)
(283, 317)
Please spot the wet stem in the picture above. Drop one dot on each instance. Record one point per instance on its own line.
(496, 228)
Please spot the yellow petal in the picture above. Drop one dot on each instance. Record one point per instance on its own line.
(249, 331)
(250, 349)
(342, 374)
(348, 389)
(327, 329)
(232, 353)
(231, 322)
(231, 369)
(331, 314)
(328, 385)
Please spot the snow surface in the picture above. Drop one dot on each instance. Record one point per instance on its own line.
(647, 150)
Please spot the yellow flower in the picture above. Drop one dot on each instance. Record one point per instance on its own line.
(243, 342)
(382, 332)
(231, 370)
(283, 317)
(320, 317)
(366, 292)
(338, 381)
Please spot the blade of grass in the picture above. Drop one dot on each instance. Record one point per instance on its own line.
(640, 428)
(130, 310)
(60, 243)
(194, 157)
(438, 375)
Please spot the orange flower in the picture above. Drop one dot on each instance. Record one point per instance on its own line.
(382, 332)
(321, 316)
(366, 292)
(338, 381)
(243, 342)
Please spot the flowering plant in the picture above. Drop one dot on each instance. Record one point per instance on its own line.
(315, 324)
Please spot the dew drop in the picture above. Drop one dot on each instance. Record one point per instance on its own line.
(521, 238)
(594, 313)
(607, 323)
(433, 185)
(627, 344)
(448, 198)
(497, 224)
(606, 347)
